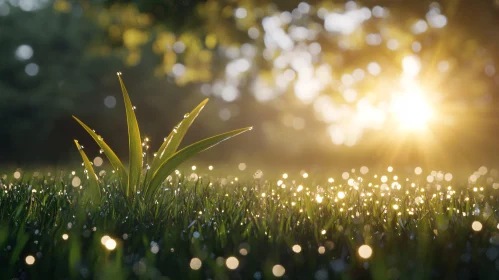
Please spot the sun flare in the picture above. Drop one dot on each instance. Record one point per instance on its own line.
(411, 109)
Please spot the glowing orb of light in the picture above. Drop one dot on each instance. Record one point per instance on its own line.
(278, 270)
(110, 244)
(195, 263)
(476, 226)
(365, 251)
(232, 263)
(104, 239)
(296, 248)
(341, 195)
(30, 260)
(411, 109)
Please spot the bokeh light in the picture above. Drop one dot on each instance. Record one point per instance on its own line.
(76, 181)
(242, 166)
(341, 195)
(243, 251)
(110, 101)
(418, 170)
(321, 250)
(297, 248)
(104, 239)
(278, 270)
(24, 52)
(232, 263)
(98, 161)
(195, 264)
(365, 251)
(110, 244)
(30, 260)
(476, 226)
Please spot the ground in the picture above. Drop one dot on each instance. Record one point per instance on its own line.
(360, 224)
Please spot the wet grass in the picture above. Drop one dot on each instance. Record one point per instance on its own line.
(418, 227)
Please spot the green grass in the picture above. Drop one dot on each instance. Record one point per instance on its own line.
(213, 219)
(137, 179)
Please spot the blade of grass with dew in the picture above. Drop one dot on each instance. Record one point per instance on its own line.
(111, 156)
(170, 146)
(94, 183)
(134, 143)
(167, 167)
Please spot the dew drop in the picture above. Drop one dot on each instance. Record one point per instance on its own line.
(186, 115)
(133, 108)
(101, 151)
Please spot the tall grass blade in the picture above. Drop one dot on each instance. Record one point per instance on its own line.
(170, 146)
(134, 144)
(168, 166)
(21, 241)
(92, 177)
(111, 156)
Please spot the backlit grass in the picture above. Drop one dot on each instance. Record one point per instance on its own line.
(355, 225)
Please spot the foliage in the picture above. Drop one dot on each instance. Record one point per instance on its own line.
(214, 218)
(301, 81)
(135, 180)
(190, 46)
(56, 50)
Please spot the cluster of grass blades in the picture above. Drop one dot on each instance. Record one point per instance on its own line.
(134, 181)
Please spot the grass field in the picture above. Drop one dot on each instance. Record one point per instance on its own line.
(358, 224)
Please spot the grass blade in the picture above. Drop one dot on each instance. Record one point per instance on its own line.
(170, 146)
(168, 166)
(134, 143)
(92, 177)
(111, 156)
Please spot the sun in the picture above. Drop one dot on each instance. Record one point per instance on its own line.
(411, 109)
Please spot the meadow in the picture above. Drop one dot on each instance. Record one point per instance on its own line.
(359, 127)
(358, 224)
(150, 220)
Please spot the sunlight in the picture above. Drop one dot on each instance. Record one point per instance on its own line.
(411, 109)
